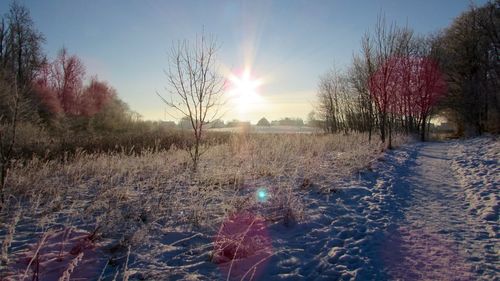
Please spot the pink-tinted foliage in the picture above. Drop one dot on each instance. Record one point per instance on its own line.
(48, 99)
(408, 86)
(384, 84)
(67, 74)
(59, 85)
(95, 97)
(51, 256)
(45, 92)
(430, 85)
(242, 247)
(43, 75)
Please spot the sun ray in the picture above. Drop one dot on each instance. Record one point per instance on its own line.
(244, 91)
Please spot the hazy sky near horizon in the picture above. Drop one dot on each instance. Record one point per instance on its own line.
(287, 43)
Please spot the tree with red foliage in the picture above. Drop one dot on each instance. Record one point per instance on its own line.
(407, 87)
(94, 97)
(47, 96)
(50, 104)
(67, 73)
(58, 84)
(61, 92)
(430, 86)
(384, 86)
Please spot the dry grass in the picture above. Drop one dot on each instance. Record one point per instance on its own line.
(36, 141)
(124, 198)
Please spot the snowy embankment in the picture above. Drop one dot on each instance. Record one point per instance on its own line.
(476, 164)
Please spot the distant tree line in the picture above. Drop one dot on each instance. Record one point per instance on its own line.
(297, 122)
(399, 79)
(185, 123)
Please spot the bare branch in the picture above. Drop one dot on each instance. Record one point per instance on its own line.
(194, 80)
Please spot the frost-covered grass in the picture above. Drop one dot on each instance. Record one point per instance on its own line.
(285, 207)
(150, 202)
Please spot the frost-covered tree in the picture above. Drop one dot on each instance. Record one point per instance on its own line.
(195, 86)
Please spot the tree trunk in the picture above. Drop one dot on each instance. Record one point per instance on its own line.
(382, 127)
(368, 122)
(389, 146)
(422, 130)
(3, 176)
(196, 154)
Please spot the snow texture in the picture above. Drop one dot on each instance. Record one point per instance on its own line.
(425, 211)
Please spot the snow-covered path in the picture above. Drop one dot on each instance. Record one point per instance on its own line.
(437, 238)
(409, 218)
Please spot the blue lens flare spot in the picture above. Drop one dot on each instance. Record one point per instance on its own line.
(262, 195)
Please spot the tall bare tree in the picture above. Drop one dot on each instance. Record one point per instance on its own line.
(8, 129)
(359, 74)
(195, 86)
(20, 44)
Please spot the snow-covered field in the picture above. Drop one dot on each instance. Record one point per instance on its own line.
(279, 208)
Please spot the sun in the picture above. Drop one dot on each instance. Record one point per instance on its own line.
(244, 91)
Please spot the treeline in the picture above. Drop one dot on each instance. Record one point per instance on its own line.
(400, 79)
(185, 123)
(55, 94)
(287, 121)
(51, 107)
(53, 100)
(64, 97)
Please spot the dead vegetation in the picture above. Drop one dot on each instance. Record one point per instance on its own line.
(124, 201)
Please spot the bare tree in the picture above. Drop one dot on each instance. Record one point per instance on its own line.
(195, 86)
(68, 73)
(334, 106)
(20, 44)
(8, 130)
(359, 74)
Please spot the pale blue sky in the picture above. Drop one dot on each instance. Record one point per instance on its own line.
(289, 43)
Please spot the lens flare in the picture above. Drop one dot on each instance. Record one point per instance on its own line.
(244, 91)
(262, 195)
(242, 247)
